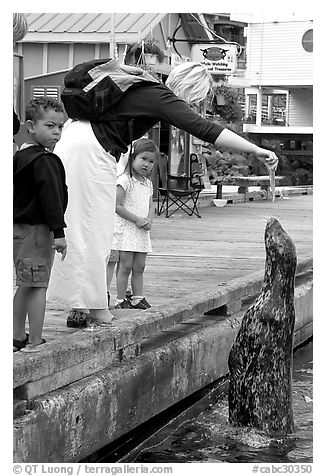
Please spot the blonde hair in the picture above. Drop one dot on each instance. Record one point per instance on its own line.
(190, 81)
(20, 26)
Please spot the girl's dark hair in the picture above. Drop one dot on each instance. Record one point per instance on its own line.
(141, 145)
(36, 106)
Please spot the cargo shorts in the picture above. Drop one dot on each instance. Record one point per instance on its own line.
(33, 254)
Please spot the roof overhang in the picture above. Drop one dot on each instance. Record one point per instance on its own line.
(121, 38)
(129, 28)
(285, 85)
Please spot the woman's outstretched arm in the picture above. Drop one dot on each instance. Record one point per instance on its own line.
(231, 141)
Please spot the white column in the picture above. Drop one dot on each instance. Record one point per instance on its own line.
(71, 56)
(112, 36)
(259, 106)
(247, 105)
(45, 58)
(287, 113)
(270, 101)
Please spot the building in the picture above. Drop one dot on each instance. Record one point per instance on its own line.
(279, 87)
(270, 62)
(56, 42)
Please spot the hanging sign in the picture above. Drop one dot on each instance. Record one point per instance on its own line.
(176, 60)
(218, 59)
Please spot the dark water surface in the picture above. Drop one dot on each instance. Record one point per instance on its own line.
(208, 437)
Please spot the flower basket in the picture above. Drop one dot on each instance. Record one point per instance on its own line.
(152, 47)
(151, 59)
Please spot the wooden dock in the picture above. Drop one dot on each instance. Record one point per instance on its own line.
(84, 390)
(190, 253)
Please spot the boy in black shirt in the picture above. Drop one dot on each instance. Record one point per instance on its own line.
(40, 200)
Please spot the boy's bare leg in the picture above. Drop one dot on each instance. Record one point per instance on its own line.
(20, 312)
(36, 311)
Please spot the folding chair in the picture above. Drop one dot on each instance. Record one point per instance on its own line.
(178, 191)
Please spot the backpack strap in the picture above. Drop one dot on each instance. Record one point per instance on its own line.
(130, 129)
(123, 76)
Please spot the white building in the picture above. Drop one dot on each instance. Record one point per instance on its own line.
(279, 83)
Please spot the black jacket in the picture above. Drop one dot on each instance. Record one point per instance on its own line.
(40, 190)
(140, 108)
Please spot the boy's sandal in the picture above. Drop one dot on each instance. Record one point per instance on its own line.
(20, 344)
(33, 347)
(77, 318)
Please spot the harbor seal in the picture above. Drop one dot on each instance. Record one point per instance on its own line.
(260, 360)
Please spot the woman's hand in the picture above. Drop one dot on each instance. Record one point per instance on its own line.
(267, 157)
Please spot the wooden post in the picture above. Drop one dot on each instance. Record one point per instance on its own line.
(218, 190)
(112, 36)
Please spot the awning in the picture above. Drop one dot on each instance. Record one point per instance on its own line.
(89, 27)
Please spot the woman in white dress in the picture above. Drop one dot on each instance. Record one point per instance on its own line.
(79, 281)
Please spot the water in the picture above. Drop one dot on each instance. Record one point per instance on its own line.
(209, 438)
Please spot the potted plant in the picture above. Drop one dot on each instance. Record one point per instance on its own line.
(153, 52)
(226, 105)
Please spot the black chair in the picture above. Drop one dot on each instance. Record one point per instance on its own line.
(178, 192)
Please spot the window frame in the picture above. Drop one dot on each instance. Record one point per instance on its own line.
(307, 41)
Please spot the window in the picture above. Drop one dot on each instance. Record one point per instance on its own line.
(49, 91)
(307, 41)
(274, 109)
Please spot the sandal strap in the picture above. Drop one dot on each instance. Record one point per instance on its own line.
(19, 344)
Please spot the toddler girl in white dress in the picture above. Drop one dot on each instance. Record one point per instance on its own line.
(134, 215)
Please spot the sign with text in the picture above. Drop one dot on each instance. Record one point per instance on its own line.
(218, 59)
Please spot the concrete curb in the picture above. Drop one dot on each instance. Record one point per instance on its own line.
(86, 352)
(128, 394)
